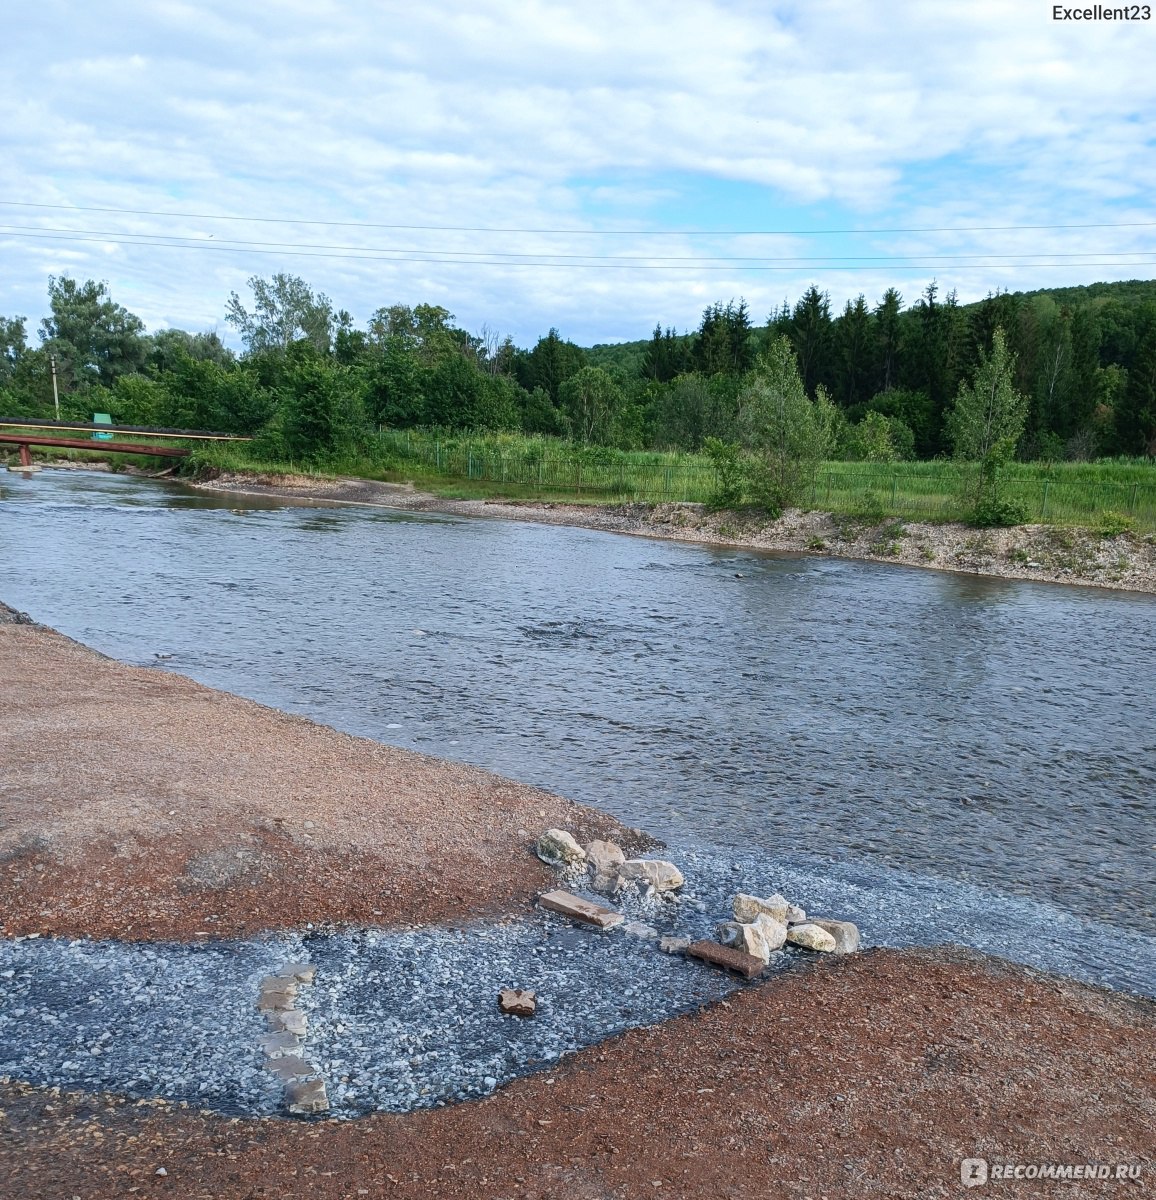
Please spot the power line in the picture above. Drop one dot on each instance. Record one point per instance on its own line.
(147, 212)
(925, 262)
(178, 241)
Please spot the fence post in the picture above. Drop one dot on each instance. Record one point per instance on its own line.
(1044, 506)
(469, 461)
(437, 456)
(1132, 502)
(894, 489)
(578, 476)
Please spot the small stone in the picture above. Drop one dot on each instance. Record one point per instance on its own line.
(306, 1096)
(658, 874)
(518, 1002)
(559, 849)
(160, 1171)
(811, 937)
(845, 933)
(640, 929)
(673, 945)
(569, 905)
(604, 857)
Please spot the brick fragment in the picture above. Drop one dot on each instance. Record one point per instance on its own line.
(738, 961)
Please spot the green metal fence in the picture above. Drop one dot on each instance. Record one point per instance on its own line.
(927, 491)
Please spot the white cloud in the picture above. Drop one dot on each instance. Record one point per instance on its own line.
(527, 115)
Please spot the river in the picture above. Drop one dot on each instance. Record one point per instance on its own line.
(856, 720)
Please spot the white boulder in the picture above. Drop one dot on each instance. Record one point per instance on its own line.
(660, 875)
(811, 937)
(559, 849)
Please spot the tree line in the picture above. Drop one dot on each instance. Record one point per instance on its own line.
(886, 377)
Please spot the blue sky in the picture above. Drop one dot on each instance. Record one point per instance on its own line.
(647, 144)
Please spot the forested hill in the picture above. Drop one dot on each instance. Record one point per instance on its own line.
(311, 381)
(629, 356)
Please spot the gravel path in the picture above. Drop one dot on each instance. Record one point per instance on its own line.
(407, 1019)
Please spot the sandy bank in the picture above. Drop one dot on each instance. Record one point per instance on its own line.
(1041, 553)
(135, 803)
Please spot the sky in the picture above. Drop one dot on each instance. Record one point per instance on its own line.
(596, 167)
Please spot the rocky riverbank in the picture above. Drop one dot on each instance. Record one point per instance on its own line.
(1040, 553)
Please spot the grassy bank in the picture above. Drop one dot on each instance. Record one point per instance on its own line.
(1115, 493)
(514, 467)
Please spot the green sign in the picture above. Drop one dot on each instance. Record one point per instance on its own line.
(101, 419)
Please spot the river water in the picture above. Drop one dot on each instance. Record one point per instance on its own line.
(986, 745)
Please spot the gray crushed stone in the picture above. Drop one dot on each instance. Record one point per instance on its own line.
(404, 1019)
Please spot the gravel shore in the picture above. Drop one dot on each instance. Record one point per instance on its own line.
(1040, 553)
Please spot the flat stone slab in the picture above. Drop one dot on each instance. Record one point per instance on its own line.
(298, 972)
(305, 1096)
(739, 961)
(291, 1066)
(276, 994)
(577, 909)
(276, 1045)
(289, 1020)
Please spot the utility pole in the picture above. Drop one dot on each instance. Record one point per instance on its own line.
(55, 392)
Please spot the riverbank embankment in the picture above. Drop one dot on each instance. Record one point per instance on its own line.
(1039, 553)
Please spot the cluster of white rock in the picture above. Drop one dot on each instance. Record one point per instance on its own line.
(760, 927)
(610, 870)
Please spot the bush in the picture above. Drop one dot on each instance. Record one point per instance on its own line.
(1112, 524)
(998, 512)
(868, 509)
(724, 457)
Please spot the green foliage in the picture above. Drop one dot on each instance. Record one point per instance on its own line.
(993, 511)
(788, 434)
(285, 310)
(94, 339)
(318, 408)
(987, 420)
(592, 403)
(1113, 524)
(868, 508)
(725, 458)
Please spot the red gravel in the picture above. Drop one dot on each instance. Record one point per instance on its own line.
(137, 804)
